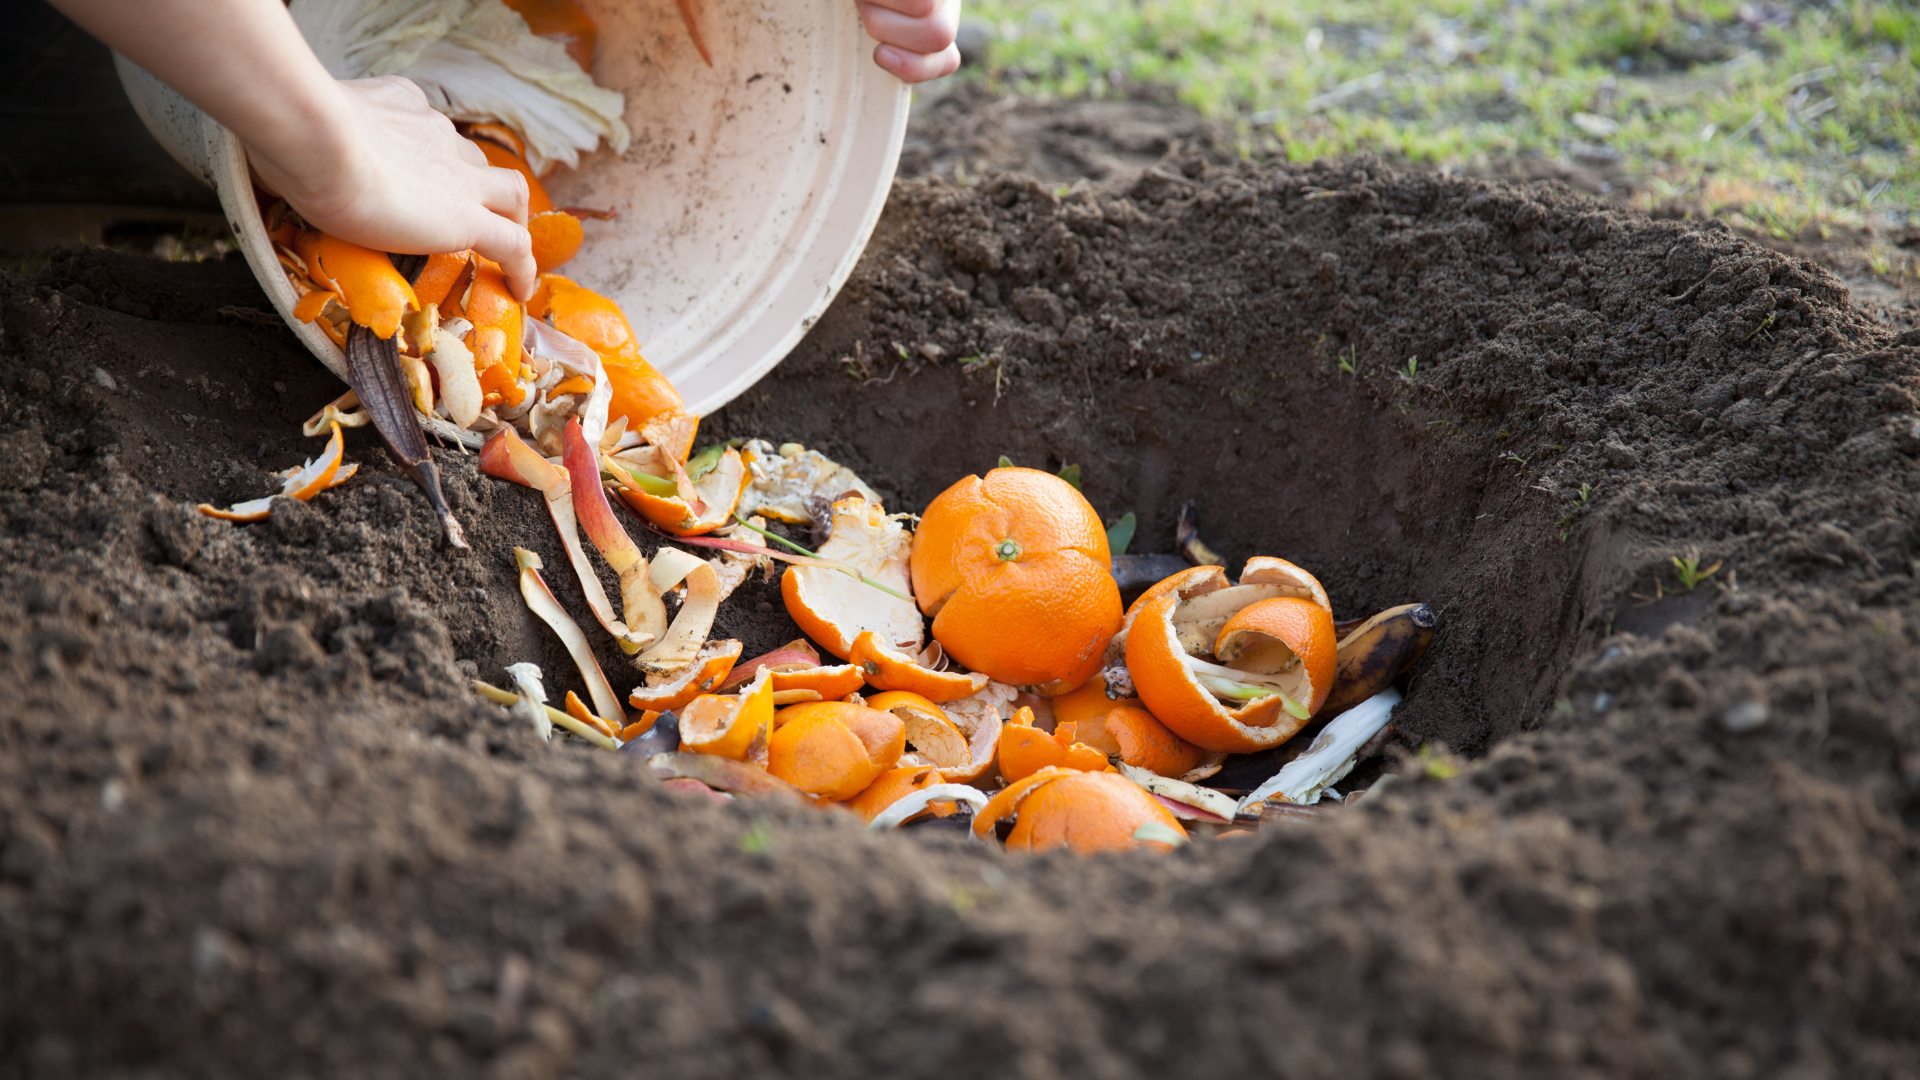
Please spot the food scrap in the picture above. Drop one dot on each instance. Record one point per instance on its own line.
(973, 663)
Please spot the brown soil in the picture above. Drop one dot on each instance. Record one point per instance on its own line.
(251, 822)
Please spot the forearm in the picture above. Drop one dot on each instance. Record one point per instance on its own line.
(245, 64)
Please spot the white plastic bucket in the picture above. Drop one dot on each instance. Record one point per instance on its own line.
(747, 194)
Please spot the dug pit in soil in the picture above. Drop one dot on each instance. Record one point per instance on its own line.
(255, 824)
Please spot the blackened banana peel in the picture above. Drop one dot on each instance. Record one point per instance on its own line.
(1377, 652)
(373, 370)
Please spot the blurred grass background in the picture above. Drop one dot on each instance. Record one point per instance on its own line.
(1785, 118)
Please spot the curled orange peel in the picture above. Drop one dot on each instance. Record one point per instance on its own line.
(703, 676)
(1025, 749)
(557, 236)
(833, 608)
(1092, 812)
(932, 736)
(303, 483)
(834, 749)
(579, 711)
(1280, 641)
(1005, 803)
(697, 507)
(374, 292)
(728, 725)
(890, 669)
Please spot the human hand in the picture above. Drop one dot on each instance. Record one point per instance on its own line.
(915, 36)
(394, 175)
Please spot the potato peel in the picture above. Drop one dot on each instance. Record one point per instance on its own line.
(1186, 800)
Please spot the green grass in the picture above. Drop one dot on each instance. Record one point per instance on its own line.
(1789, 118)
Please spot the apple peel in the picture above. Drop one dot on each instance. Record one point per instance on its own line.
(640, 601)
(721, 774)
(508, 457)
(541, 600)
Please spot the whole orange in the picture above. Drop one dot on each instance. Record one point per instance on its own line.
(1014, 569)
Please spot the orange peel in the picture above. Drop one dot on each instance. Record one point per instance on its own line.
(704, 675)
(1015, 571)
(649, 402)
(1086, 811)
(1025, 750)
(890, 669)
(564, 22)
(1142, 741)
(374, 292)
(728, 725)
(933, 737)
(1272, 636)
(834, 749)
(833, 607)
(317, 475)
(892, 786)
(557, 236)
(500, 157)
(714, 497)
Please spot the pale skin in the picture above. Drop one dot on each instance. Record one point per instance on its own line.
(327, 145)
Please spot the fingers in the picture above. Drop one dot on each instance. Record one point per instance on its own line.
(471, 153)
(926, 35)
(510, 245)
(504, 192)
(915, 67)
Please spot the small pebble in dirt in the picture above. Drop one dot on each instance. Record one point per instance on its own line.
(763, 606)
(1746, 716)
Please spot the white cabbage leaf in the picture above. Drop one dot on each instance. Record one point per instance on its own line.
(476, 60)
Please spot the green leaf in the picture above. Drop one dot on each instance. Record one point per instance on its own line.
(1120, 533)
(1005, 462)
(1071, 474)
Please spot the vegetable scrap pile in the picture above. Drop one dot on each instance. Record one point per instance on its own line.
(977, 670)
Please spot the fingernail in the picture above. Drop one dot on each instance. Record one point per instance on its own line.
(889, 57)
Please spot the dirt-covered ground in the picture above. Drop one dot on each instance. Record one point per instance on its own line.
(253, 824)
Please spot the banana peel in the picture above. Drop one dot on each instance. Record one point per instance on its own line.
(1374, 654)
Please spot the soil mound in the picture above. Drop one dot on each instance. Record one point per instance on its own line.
(251, 823)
